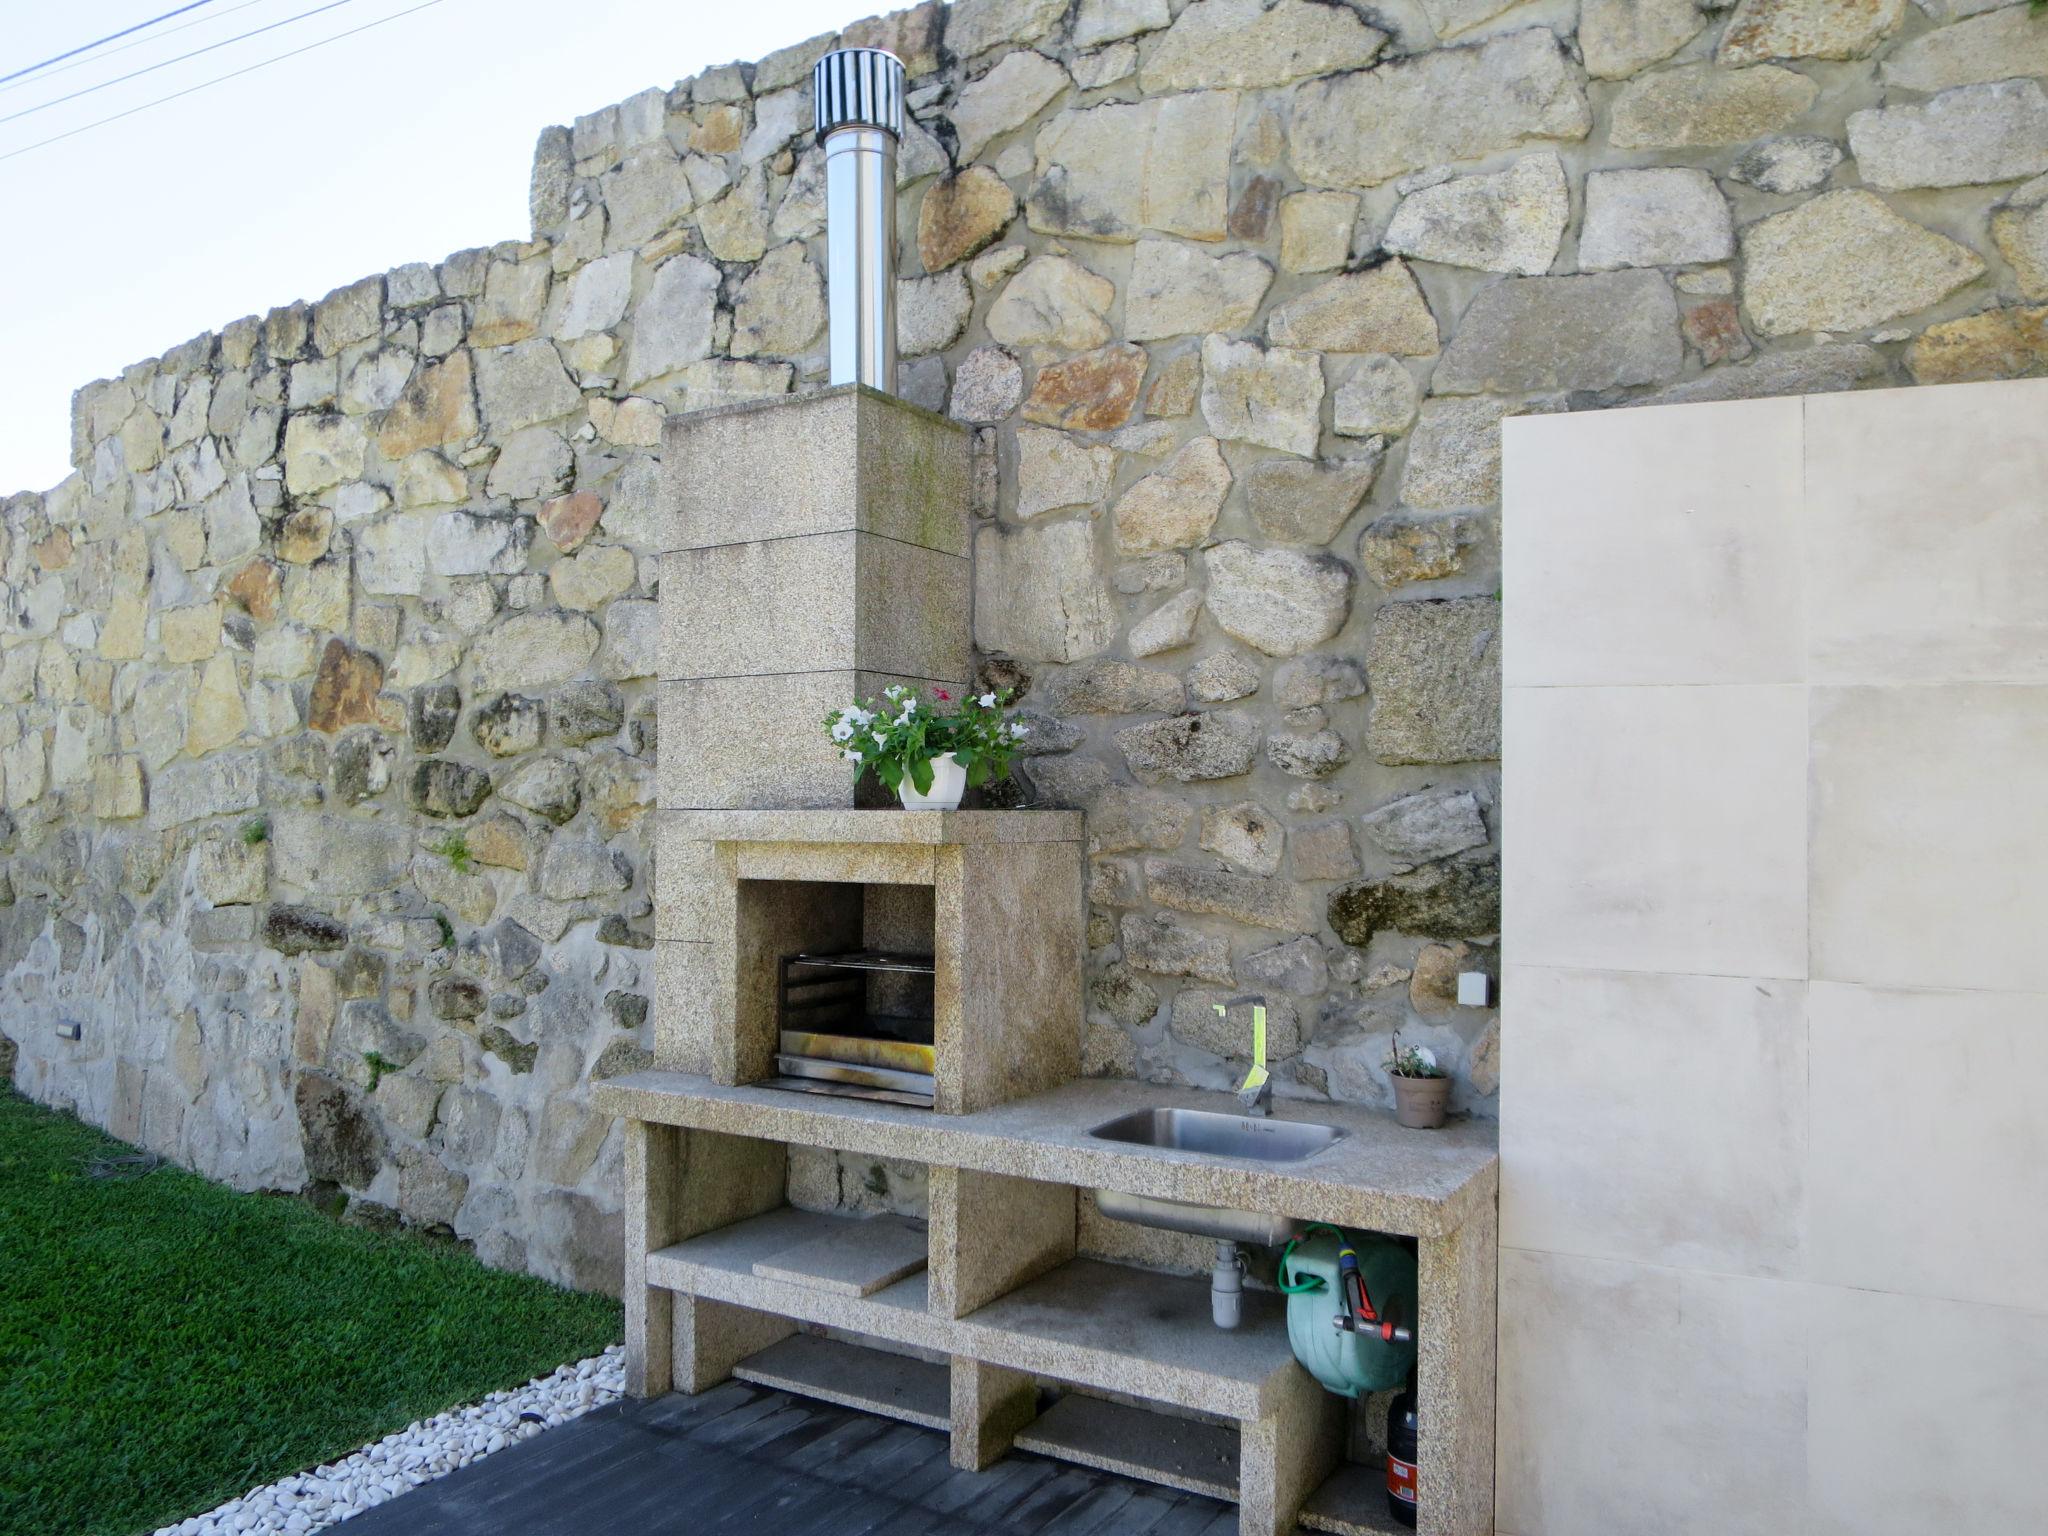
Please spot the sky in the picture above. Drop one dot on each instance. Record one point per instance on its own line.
(403, 143)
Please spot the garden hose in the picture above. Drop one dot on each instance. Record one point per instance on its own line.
(1313, 1282)
(1346, 1300)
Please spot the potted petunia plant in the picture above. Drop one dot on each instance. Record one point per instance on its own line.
(928, 757)
(1422, 1089)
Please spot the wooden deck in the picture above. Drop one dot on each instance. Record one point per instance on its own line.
(741, 1458)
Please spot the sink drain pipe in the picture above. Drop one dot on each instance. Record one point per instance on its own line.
(858, 94)
(1226, 1285)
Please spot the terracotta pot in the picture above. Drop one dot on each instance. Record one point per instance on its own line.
(1419, 1101)
(949, 783)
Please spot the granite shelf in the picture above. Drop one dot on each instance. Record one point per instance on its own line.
(854, 1376)
(720, 1265)
(1352, 1502)
(1174, 1452)
(1105, 1326)
(1115, 1328)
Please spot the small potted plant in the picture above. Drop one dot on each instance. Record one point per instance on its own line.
(929, 758)
(1421, 1087)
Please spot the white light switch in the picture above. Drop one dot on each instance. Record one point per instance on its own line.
(1475, 989)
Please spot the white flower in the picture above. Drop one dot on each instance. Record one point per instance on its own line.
(848, 755)
(1426, 1056)
(987, 701)
(858, 715)
(1019, 732)
(879, 739)
(842, 731)
(893, 691)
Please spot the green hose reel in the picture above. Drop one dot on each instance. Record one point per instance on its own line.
(1347, 1346)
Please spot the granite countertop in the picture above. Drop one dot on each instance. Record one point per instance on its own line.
(879, 826)
(1380, 1176)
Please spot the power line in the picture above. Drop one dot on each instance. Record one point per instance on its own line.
(140, 42)
(73, 133)
(150, 69)
(73, 53)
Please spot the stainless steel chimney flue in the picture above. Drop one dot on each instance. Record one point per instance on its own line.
(859, 96)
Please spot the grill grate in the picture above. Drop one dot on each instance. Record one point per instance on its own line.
(858, 1023)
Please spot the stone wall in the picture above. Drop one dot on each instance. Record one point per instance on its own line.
(325, 688)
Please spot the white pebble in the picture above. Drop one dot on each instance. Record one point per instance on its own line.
(312, 1501)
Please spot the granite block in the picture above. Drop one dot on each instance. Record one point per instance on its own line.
(692, 884)
(684, 1002)
(711, 1337)
(989, 1406)
(877, 864)
(1285, 1454)
(1456, 1278)
(841, 459)
(653, 1160)
(1006, 924)
(858, 1261)
(991, 1233)
(821, 602)
(1009, 928)
(760, 742)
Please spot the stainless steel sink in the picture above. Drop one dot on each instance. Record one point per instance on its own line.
(1212, 1135)
(1213, 1221)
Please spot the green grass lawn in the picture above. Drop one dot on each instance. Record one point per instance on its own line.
(165, 1343)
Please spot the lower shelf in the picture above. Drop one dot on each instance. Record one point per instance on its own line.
(1119, 1329)
(872, 1380)
(1153, 1447)
(1352, 1502)
(857, 1259)
(720, 1265)
(1104, 1326)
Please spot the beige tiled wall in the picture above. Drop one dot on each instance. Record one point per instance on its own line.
(1774, 1198)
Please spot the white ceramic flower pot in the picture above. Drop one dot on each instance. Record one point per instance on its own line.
(949, 783)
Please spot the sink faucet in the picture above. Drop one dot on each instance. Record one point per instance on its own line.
(1255, 1093)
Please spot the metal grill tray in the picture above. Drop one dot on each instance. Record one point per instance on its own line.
(861, 1077)
(876, 1049)
(870, 960)
(849, 1091)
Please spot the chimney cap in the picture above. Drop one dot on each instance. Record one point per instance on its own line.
(859, 88)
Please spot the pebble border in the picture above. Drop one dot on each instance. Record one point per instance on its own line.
(419, 1453)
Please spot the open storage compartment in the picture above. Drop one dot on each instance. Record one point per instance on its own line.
(855, 1374)
(1149, 1387)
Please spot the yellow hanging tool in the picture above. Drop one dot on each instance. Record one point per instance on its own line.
(1256, 1090)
